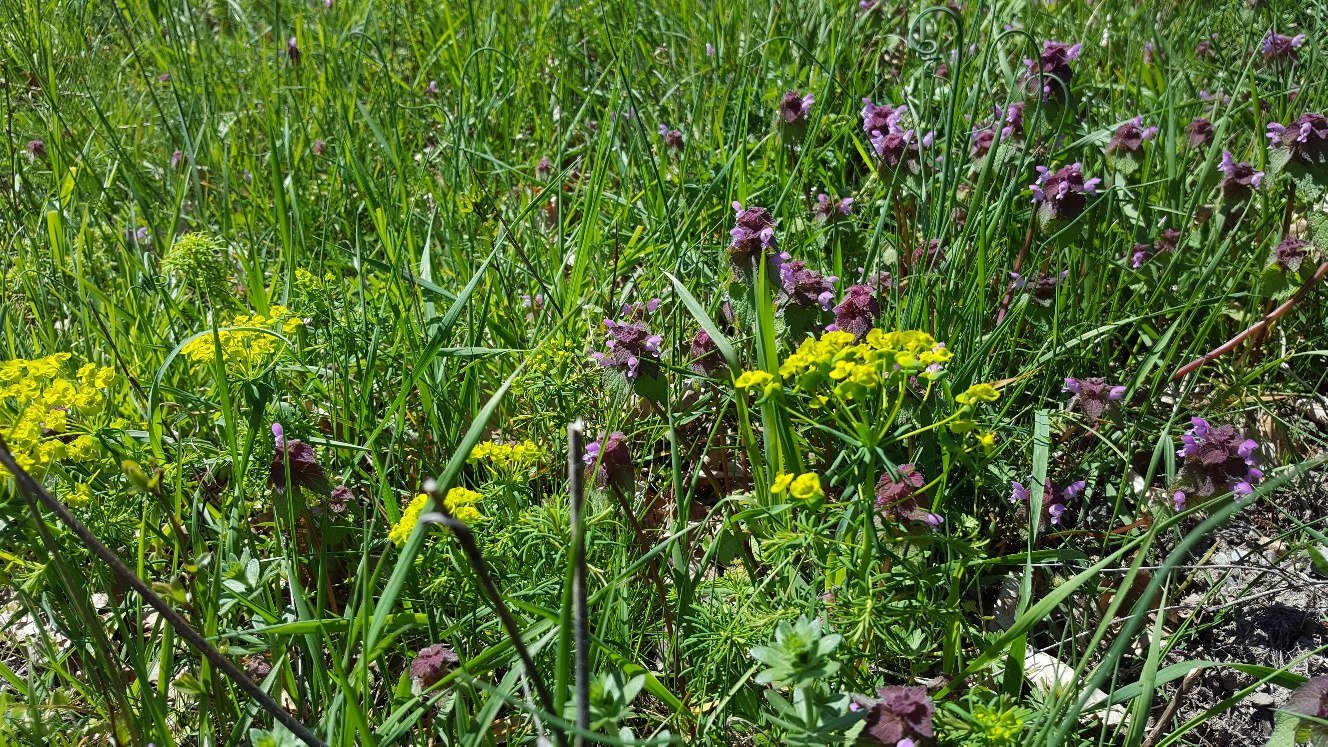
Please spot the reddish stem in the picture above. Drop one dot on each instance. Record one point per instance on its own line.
(1257, 327)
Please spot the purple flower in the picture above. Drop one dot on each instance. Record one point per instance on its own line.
(1167, 242)
(177, 158)
(753, 233)
(899, 715)
(544, 168)
(632, 348)
(164, 78)
(431, 90)
(832, 208)
(1311, 699)
(704, 354)
(672, 138)
(1042, 288)
(924, 258)
(794, 108)
(898, 499)
(804, 288)
(1216, 459)
(320, 147)
(1130, 137)
(301, 461)
(859, 309)
(1055, 499)
(1289, 254)
(1239, 177)
(1092, 396)
(610, 459)
(1013, 123)
(293, 51)
(1062, 195)
(982, 142)
(36, 149)
(1199, 133)
(1150, 53)
(1054, 66)
(1206, 46)
(710, 50)
(893, 144)
(340, 499)
(1279, 48)
(1305, 139)
(431, 663)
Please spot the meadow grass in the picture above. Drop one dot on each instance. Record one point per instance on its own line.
(397, 229)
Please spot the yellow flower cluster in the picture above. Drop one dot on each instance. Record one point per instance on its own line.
(459, 502)
(999, 727)
(38, 402)
(247, 352)
(805, 487)
(968, 401)
(757, 381)
(507, 457)
(859, 368)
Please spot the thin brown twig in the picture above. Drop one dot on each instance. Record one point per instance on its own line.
(37, 494)
(1255, 328)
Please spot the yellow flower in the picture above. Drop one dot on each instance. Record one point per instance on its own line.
(507, 457)
(804, 487)
(807, 487)
(80, 496)
(460, 502)
(246, 352)
(81, 449)
(978, 393)
(400, 531)
(750, 380)
(987, 440)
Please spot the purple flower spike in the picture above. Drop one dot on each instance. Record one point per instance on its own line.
(1239, 178)
(829, 209)
(1289, 254)
(1092, 396)
(1129, 138)
(898, 716)
(893, 144)
(300, 459)
(1042, 288)
(1062, 195)
(1055, 499)
(431, 663)
(804, 288)
(611, 460)
(672, 138)
(1305, 139)
(859, 309)
(293, 51)
(1217, 458)
(1167, 242)
(753, 232)
(1019, 493)
(1054, 66)
(898, 499)
(1279, 48)
(705, 355)
(632, 348)
(36, 149)
(795, 108)
(1199, 133)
